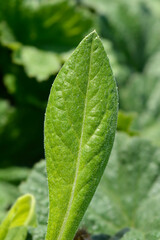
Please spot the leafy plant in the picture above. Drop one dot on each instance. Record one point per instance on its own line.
(36, 39)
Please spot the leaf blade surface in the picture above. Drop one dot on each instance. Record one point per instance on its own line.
(80, 125)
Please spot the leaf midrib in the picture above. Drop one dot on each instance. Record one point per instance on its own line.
(79, 153)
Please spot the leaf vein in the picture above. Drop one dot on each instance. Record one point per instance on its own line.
(79, 153)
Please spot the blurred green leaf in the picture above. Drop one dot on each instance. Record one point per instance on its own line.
(14, 174)
(6, 112)
(120, 70)
(9, 194)
(152, 133)
(49, 25)
(20, 216)
(7, 38)
(125, 121)
(128, 195)
(51, 28)
(124, 22)
(27, 92)
(37, 63)
(151, 68)
(141, 95)
(155, 235)
(36, 184)
(137, 235)
(10, 83)
(134, 235)
(135, 94)
(17, 233)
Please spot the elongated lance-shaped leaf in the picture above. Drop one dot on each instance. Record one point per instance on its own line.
(80, 126)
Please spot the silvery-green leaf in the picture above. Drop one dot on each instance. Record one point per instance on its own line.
(138, 235)
(134, 235)
(129, 193)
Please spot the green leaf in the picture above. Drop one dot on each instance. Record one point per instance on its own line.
(125, 121)
(21, 215)
(37, 63)
(52, 25)
(51, 28)
(121, 71)
(134, 235)
(142, 95)
(38, 233)
(100, 217)
(7, 38)
(154, 235)
(36, 185)
(80, 126)
(128, 195)
(9, 194)
(14, 174)
(124, 22)
(152, 133)
(5, 112)
(137, 235)
(17, 233)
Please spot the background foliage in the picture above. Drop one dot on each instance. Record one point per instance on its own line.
(36, 38)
